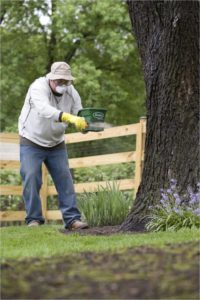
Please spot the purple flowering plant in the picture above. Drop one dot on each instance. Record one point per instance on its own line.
(175, 211)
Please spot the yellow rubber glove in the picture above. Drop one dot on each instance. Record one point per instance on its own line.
(79, 122)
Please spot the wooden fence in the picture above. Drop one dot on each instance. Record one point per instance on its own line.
(136, 156)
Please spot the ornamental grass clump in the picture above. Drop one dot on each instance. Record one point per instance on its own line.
(108, 206)
(174, 211)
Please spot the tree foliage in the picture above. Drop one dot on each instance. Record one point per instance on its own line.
(94, 37)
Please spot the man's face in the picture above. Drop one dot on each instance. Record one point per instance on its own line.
(62, 82)
(59, 82)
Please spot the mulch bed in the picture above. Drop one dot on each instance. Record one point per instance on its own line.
(104, 230)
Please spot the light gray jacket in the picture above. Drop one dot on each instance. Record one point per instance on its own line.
(39, 118)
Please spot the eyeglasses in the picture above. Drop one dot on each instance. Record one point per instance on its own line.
(63, 82)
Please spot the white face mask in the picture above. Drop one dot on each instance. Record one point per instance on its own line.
(61, 89)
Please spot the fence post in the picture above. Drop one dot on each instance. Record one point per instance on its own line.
(139, 152)
(44, 190)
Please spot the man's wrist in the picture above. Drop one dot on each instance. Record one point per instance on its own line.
(60, 116)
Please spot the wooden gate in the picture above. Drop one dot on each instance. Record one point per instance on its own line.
(136, 156)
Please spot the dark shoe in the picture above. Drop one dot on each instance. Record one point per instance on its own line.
(78, 225)
(33, 223)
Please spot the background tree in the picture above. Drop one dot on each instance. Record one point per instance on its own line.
(167, 34)
(93, 36)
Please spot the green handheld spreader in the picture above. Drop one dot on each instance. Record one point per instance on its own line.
(94, 117)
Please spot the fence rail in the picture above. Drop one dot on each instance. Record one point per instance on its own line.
(136, 156)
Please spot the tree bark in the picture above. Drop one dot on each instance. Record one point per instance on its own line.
(167, 33)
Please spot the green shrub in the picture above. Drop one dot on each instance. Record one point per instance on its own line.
(97, 147)
(108, 206)
(9, 177)
(175, 212)
(104, 173)
(11, 202)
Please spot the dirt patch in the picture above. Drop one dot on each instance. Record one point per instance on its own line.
(104, 230)
(138, 273)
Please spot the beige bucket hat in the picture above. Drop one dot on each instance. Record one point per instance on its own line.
(60, 70)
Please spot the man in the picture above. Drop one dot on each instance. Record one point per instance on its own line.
(50, 104)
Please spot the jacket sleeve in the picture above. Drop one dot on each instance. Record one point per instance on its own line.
(77, 105)
(39, 98)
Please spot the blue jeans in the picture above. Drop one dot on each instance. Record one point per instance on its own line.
(56, 161)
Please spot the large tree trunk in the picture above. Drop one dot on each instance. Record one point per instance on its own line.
(167, 34)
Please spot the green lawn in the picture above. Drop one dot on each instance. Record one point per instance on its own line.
(46, 241)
